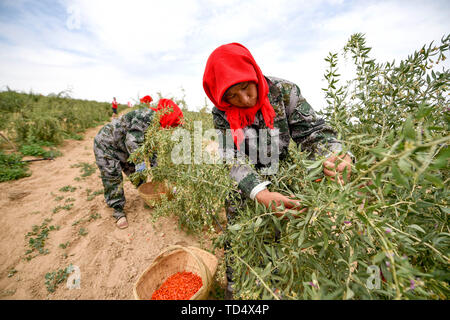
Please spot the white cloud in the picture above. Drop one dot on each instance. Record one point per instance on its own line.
(116, 48)
(393, 29)
(133, 28)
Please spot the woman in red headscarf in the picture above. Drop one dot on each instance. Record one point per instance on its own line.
(248, 105)
(174, 115)
(147, 99)
(245, 99)
(117, 140)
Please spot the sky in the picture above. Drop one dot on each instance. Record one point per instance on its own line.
(97, 50)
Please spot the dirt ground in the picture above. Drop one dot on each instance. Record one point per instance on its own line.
(109, 260)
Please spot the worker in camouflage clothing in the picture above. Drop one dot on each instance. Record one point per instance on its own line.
(258, 116)
(116, 141)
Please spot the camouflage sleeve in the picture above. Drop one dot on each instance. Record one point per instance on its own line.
(133, 139)
(307, 129)
(139, 123)
(248, 180)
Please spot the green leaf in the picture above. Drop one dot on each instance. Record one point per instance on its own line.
(416, 227)
(441, 158)
(301, 238)
(325, 240)
(378, 257)
(314, 173)
(293, 236)
(315, 164)
(350, 294)
(377, 180)
(408, 129)
(445, 209)
(267, 270)
(404, 166)
(398, 177)
(368, 141)
(235, 227)
(258, 222)
(434, 180)
(424, 111)
(276, 221)
(378, 151)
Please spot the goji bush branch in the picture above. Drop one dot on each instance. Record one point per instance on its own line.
(392, 216)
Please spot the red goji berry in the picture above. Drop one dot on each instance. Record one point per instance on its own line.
(179, 286)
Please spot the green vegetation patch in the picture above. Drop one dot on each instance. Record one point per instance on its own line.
(37, 238)
(11, 167)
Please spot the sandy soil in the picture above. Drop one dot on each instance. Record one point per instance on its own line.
(110, 260)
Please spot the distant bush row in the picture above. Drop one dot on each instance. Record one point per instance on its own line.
(30, 121)
(32, 118)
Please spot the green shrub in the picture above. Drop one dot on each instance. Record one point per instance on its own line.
(36, 118)
(32, 120)
(11, 167)
(382, 235)
(200, 188)
(390, 222)
(55, 278)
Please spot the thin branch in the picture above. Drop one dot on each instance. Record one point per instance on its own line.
(257, 275)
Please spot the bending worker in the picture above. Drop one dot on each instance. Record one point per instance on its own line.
(116, 141)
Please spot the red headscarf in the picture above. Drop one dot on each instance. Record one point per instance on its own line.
(172, 119)
(146, 99)
(228, 65)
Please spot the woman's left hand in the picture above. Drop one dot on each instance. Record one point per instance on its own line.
(335, 165)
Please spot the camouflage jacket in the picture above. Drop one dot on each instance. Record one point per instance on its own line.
(124, 135)
(295, 119)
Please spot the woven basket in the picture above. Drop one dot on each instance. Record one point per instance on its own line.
(152, 192)
(177, 259)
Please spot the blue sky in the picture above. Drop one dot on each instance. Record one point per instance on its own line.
(128, 49)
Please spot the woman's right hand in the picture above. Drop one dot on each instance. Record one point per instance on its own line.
(268, 199)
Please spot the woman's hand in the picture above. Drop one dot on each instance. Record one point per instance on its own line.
(335, 165)
(274, 199)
